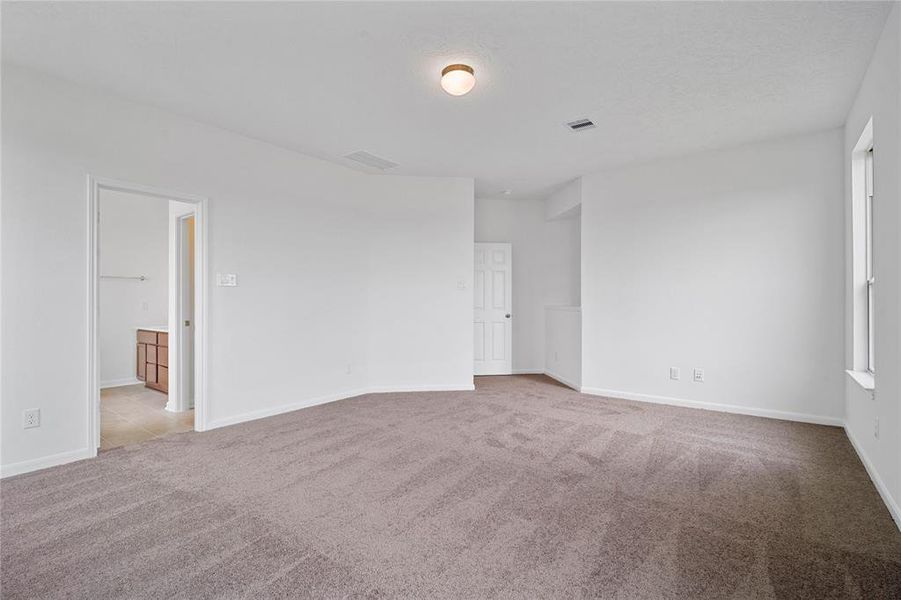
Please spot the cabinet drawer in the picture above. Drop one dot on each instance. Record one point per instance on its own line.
(162, 356)
(146, 337)
(163, 339)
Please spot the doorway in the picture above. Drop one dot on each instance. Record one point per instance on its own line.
(493, 309)
(146, 313)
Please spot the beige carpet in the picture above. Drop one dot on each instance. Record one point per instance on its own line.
(522, 489)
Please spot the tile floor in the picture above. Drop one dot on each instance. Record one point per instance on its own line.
(134, 413)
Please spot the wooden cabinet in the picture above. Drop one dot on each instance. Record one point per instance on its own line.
(142, 361)
(153, 359)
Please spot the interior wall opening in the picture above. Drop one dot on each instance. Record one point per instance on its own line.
(146, 263)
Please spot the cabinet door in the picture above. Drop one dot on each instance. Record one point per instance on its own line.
(163, 377)
(151, 373)
(151, 354)
(142, 362)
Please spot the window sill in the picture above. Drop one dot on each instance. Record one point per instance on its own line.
(863, 378)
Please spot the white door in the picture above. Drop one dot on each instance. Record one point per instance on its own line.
(493, 328)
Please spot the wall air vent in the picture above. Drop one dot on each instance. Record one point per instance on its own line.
(580, 124)
(371, 160)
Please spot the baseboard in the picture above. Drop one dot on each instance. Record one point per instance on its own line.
(729, 408)
(890, 503)
(67, 457)
(44, 462)
(528, 371)
(390, 389)
(563, 380)
(119, 382)
(286, 408)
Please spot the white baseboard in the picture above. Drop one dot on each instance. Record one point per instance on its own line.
(564, 380)
(46, 461)
(389, 389)
(66, 457)
(119, 382)
(171, 406)
(528, 371)
(729, 408)
(285, 408)
(890, 503)
(883, 490)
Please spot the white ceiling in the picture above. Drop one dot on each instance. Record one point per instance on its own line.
(328, 79)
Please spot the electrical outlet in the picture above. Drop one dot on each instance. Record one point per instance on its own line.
(31, 418)
(349, 368)
(697, 375)
(556, 356)
(876, 429)
(675, 373)
(145, 306)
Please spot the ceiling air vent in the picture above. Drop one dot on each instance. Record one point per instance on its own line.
(371, 160)
(580, 124)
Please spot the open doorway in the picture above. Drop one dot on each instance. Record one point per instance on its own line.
(146, 267)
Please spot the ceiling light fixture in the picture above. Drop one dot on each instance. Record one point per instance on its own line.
(457, 80)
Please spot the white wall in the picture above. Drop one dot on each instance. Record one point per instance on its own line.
(545, 268)
(729, 261)
(134, 240)
(303, 236)
(879, 98)
(565, 201)
(563, 344)
(420, 249)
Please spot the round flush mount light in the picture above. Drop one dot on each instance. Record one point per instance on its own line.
(457, 80)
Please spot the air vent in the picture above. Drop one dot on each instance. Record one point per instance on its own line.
(371, 160)
(580, 124)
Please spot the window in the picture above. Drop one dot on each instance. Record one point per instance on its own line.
(862, 278)
(868, 245)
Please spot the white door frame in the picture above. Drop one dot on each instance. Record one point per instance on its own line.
(94, 187)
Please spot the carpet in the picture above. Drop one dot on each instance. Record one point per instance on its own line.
(521, 489)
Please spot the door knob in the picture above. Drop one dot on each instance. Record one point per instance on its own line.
(507, 316)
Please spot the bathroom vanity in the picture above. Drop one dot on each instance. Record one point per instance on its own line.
(153, 358)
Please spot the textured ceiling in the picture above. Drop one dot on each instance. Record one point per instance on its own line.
(328, 79)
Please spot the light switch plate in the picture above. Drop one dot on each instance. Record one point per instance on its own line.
(226, 279)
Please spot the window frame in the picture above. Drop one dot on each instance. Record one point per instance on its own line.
(870, 278)
(861, 282)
